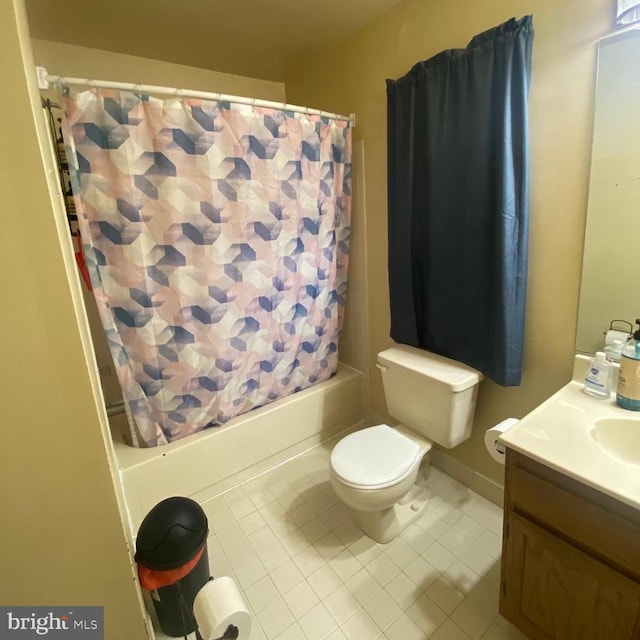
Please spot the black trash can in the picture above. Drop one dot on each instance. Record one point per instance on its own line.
(173, 565)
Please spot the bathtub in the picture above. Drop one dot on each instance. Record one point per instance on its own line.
(213, 461)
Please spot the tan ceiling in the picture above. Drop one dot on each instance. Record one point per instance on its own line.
(245, 37)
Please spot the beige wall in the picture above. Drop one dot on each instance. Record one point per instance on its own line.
(354, 349)
(70, 60)
(351, 78)
(63, 540)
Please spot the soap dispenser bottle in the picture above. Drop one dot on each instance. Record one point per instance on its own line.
(628, 392)
(596, 382)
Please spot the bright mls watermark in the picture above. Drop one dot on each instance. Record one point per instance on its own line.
(31, 623)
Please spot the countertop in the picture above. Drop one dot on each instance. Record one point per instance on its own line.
(560, 434)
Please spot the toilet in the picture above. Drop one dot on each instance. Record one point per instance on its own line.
(377, 471)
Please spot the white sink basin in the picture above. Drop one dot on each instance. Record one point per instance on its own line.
(595, 442)
(619, 437)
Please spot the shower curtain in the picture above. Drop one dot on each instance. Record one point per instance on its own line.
(217, 237)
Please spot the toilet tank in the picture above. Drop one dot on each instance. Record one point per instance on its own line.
(430, 394)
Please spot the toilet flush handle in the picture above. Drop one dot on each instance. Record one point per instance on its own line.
(381, 367)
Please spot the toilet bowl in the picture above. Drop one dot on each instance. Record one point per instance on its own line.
(379, 471)
(376, 472)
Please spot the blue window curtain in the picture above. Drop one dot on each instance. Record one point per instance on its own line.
(458, 201)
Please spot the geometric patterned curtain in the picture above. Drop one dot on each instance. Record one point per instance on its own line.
(216, 236)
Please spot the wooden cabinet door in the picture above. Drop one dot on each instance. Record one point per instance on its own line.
(553, 591)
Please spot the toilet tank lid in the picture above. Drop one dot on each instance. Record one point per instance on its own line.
(456, 375)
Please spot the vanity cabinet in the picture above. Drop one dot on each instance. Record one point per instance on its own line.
(570, 557)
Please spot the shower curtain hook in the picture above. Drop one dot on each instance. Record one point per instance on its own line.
(43, 78)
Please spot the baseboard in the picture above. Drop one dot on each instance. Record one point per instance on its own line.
(490, 489)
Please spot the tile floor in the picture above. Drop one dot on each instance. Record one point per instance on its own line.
(308, 573)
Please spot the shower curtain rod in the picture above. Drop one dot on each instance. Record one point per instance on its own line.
(45, 80)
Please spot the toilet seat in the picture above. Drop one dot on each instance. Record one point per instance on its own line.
(374, 458)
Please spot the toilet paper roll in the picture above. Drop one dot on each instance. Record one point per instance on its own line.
(613, 335)
(495, 449)
(219, 605)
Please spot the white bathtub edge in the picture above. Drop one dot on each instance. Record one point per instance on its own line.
(213, 461)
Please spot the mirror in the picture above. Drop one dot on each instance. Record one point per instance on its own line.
(610, 288)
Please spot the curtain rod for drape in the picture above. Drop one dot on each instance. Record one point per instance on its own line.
(44, 80)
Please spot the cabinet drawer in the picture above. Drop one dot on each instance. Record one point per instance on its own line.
(593, 525)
